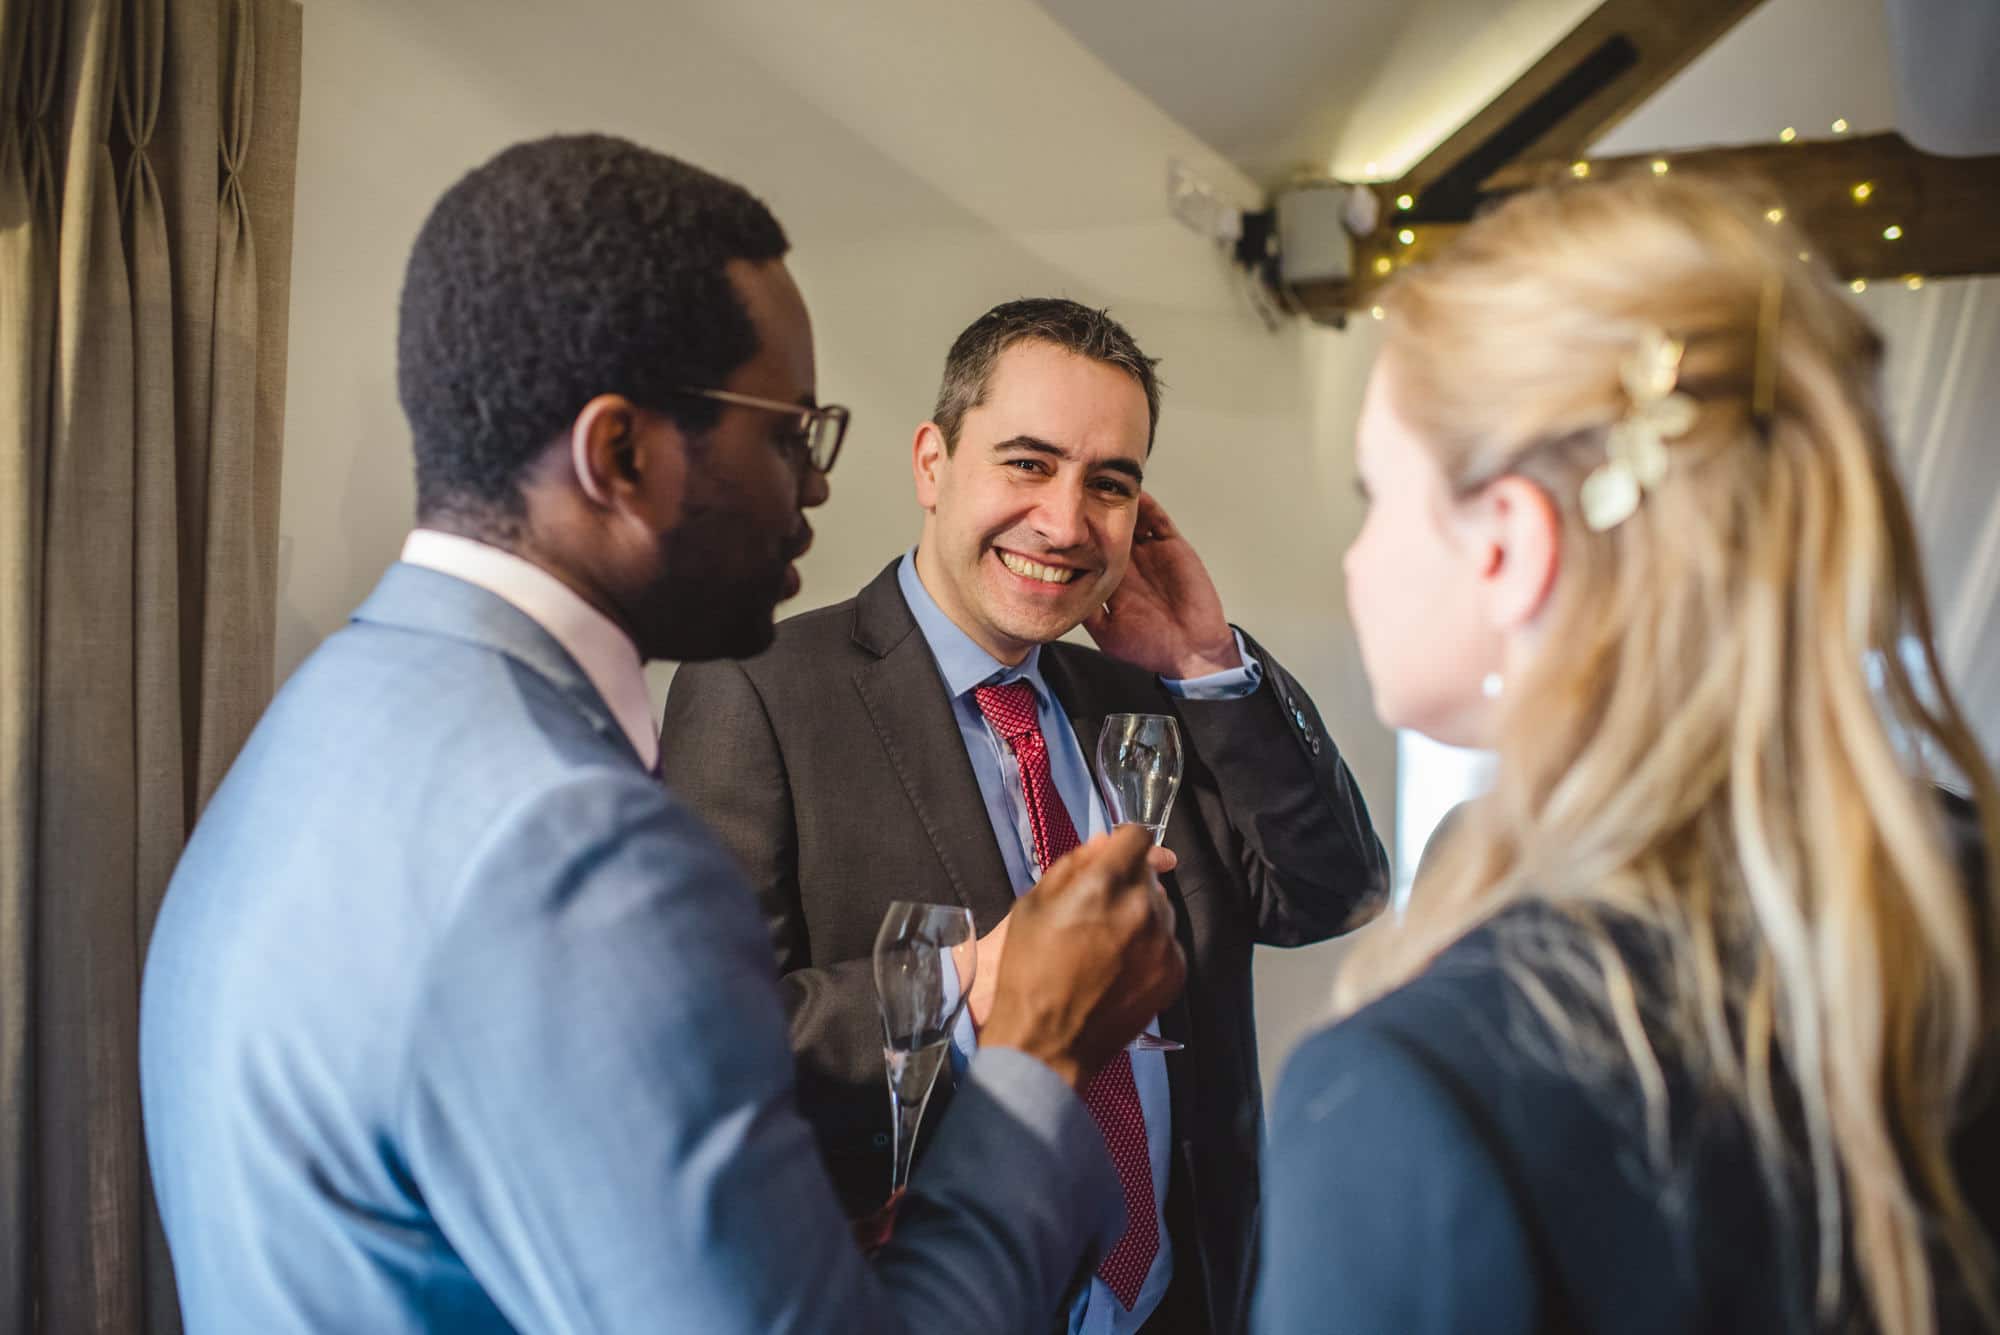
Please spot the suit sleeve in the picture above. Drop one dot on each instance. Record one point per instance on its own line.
(600, 1113)
(719, 752)
(1384, 1211)
(1309, 855)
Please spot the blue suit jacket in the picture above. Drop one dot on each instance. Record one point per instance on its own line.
(455, 1019)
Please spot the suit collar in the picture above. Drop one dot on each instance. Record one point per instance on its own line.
(598, 645)
(429, 602)
(882, 620)
(962, 663)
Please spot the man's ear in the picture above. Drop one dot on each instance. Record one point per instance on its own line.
(627, 459)
(1518, 534)
(928, 460)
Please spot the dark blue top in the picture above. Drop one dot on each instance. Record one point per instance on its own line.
(1440, 1162)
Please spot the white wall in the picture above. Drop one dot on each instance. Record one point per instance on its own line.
(927, 161)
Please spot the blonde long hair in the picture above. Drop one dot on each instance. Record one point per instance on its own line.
(1700, 746)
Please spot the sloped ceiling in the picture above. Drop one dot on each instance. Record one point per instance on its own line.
(1364, 88)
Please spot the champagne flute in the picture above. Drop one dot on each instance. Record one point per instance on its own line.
(918, 1008)
(1139, 771)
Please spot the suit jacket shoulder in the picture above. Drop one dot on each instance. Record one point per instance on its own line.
(1624, 1233)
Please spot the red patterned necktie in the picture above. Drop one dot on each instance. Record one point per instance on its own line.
(1111, 1095)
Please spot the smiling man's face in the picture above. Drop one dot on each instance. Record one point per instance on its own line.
(1028, 522)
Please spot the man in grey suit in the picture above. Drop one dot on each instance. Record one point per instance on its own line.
(455, 1019)
(930, 739)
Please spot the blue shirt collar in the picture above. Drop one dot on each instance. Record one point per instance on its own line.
(961, 662)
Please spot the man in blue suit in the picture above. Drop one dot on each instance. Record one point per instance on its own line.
(455, 1019)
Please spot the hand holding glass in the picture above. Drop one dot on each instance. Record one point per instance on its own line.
(1139, 771)
(918, 1008)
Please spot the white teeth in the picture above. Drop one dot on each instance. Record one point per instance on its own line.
(1033, 570)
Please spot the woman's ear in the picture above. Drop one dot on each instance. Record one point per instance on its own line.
(1518, 532)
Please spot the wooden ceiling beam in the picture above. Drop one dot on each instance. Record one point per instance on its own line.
(1873, 205)
(1602, 70)
(1919, 215)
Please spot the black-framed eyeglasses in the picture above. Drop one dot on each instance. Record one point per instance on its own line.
(820, 430)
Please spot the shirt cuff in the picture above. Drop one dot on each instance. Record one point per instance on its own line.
(1228, 684)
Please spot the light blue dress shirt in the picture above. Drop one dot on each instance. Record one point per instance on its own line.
(965, 666)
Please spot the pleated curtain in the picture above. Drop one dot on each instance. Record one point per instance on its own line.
(147, 157)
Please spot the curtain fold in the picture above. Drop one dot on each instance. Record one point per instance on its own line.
(30, 74)
(91, 1161)
(146, 169)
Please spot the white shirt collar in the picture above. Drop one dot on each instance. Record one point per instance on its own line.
(605, 653)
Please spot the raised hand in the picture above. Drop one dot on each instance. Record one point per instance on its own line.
(1165, 615)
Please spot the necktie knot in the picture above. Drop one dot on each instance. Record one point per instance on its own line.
(1009, 707)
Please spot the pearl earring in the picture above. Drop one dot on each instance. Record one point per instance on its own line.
(1491, 685)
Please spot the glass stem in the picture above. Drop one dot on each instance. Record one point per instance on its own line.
(908, 1115)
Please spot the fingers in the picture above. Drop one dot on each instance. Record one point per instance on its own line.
(1127, 851)
(1162, 860)
(1100, 865)
(1131, 860)
(1153, 523)
(1163, 909)
(1108, 869)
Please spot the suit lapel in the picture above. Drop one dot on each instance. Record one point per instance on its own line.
(1084, 709)
(912, 715)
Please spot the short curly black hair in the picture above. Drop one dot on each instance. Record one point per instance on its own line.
(563, 269)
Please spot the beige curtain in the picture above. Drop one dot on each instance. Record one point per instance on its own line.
(146, 169)
(1944, 343)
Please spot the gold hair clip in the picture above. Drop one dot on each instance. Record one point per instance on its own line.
(1635, 448)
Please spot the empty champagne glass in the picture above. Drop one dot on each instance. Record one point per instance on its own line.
(918, 1005)
(1139, 771)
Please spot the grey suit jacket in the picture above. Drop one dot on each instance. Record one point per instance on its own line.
(456, 1020)
(832, 765)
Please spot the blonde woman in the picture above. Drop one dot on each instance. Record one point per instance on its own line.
(1691, 1024)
